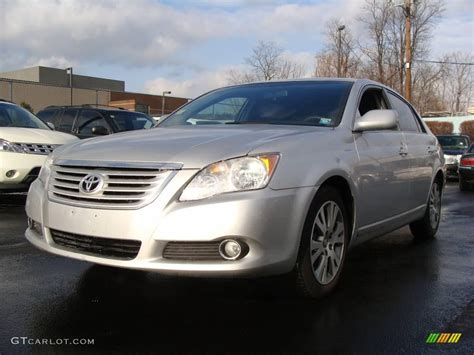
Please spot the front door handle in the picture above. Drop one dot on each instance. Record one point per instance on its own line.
(403, 150)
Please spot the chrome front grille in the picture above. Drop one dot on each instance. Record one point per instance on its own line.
(36, 148)
(123, 186)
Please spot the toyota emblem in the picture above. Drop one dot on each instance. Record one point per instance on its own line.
(91, 183)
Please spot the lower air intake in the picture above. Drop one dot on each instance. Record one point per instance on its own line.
(122, 249)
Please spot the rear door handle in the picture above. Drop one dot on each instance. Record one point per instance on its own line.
(431, 150)
(403, 150)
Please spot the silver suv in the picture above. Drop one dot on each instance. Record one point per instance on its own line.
(248, 180)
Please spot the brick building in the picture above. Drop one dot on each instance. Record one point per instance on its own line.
(43, 86)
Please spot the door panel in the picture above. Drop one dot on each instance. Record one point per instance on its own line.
(421, 151)
(383, 176)
(421, 154)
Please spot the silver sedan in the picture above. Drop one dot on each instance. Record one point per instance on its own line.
(248, 180)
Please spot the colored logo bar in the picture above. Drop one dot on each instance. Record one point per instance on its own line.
(443, 338)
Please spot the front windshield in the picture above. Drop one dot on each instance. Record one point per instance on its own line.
(311, 103)
(131, 121)
(16, 116)
(453, 142)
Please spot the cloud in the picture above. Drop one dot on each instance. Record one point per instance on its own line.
(455, 30)
(190, 87)
(143, 33)
(196, 85)
(304, 59)
(131, 33)
(164, 37)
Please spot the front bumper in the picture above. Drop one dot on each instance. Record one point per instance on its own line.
(27, 167)
(269, 221)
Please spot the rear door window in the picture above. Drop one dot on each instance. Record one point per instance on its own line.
(406, 118)
(89, 119)
(48, 116)
(67, 121)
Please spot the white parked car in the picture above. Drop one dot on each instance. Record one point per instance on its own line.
(25, 142)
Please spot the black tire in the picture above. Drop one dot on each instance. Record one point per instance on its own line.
(463, 185)
(307, 284)
(425, 228)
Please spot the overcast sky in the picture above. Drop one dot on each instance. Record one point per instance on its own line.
(184, 46)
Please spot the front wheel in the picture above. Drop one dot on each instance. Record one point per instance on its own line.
(323, 245)
(427, 227)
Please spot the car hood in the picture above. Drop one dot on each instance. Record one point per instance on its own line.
(34, 135)
(192, 146)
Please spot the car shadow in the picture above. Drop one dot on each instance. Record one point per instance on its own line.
(12, 199)
(126, 309)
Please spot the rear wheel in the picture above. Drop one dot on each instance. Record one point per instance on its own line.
(427, 227)
(323, 245)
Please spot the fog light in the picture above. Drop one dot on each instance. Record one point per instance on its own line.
(36, 226)
(230, 249)
(10, 173)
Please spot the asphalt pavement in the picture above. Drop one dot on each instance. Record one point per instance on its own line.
(393, 293)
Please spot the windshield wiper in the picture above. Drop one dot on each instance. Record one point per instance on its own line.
(251, 122)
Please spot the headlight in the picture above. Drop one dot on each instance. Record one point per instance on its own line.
(239, 174)
(45, 171)
(6, 146)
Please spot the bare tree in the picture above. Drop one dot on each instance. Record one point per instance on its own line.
(236, 76)
(424, 14)
(457, 82)
(426, 96)
(375, 17)
(384, 45)
(326, 61)
(267, 62)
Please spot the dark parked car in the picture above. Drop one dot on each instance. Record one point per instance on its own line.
(454, 146)
(91, 121)
(466, 169)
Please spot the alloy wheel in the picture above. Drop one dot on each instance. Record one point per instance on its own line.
(435, 205)
(327, 242)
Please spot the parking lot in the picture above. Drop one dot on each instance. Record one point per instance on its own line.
(393, 293)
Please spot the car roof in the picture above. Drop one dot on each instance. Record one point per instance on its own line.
(89, 107)
(6, 102)
(361, 82)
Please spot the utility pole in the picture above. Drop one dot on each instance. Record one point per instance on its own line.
(407, 11)
(163, 101)
(70, 80)
(339, 49)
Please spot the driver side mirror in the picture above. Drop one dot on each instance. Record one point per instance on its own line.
(377, 120)
(100, 131)
(51, 125)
